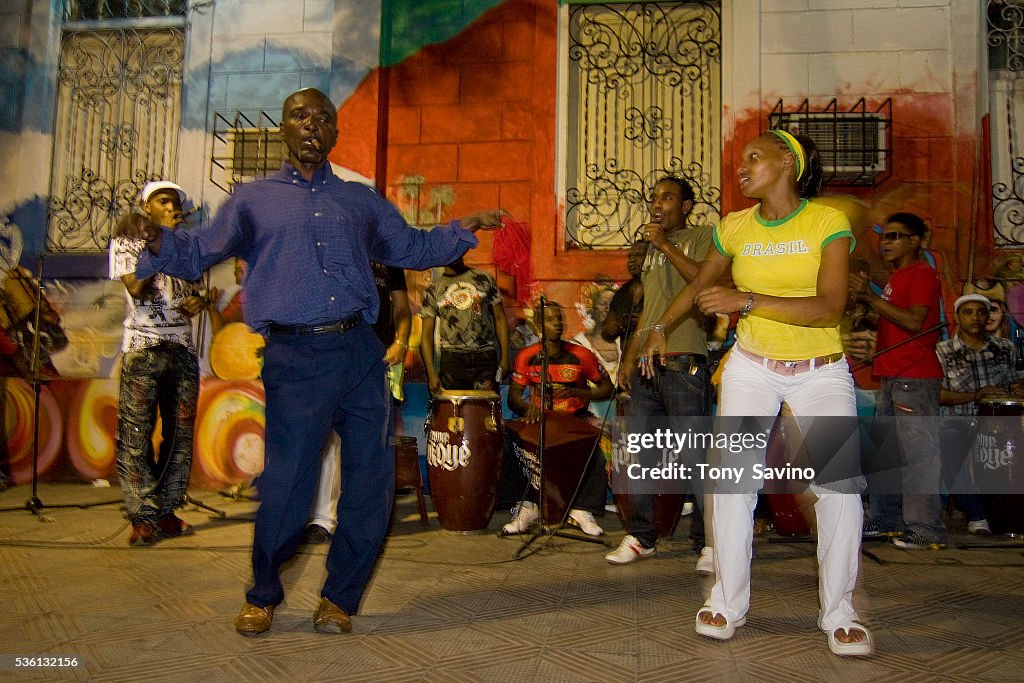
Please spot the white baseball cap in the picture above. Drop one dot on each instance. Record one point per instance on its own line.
(155, 186)
(967, 298)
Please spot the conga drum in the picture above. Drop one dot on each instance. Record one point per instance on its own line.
(995, 464)
(568, 444)
(668, 509)
(464, 458)
(787, 515)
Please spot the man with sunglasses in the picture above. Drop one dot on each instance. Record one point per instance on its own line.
(911, 377)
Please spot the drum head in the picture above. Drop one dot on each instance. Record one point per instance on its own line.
(1003, 400)
(468, 395)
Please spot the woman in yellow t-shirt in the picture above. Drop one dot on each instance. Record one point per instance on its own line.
(790, 265)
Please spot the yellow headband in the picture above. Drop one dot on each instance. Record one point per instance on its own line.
(795, 147)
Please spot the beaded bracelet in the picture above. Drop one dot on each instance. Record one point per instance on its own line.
(745, 311)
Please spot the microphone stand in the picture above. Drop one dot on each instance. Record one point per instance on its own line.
(540, 526)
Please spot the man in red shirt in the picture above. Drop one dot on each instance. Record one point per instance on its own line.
(911, 378)
(575, 378)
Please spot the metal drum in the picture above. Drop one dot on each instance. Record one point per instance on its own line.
(996, 467)
(464, 458)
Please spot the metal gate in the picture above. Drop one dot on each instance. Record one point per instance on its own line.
(644, 84)
(118, 115)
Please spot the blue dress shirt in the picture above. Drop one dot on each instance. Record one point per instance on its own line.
(308, 245)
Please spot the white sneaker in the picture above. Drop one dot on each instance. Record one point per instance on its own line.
(630, 550)
(706, 562)
(585, 521)
(523, 515)
(979, 528)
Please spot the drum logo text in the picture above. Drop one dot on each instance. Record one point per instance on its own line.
(991, 455)
(447, 456)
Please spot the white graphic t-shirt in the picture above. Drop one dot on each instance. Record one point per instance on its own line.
(157, 318)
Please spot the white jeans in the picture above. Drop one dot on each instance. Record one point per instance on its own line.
(748, 388)
(325, 504)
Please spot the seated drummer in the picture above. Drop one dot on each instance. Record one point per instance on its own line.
(575, 378)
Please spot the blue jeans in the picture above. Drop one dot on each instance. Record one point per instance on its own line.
(165, 376)
(913, 404)
(677, 390)
(314, 384)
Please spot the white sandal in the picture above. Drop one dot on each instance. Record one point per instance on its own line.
(851, 649)
(723, 632)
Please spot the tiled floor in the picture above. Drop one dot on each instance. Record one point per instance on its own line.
(446, 607)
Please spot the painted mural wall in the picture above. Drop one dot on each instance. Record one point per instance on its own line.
(455, 107)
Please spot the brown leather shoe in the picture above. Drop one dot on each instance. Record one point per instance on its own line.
(253, 620)
(330, 618)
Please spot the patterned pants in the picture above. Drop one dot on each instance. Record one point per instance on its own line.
(165, 376)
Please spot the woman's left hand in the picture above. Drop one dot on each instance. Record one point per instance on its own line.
(720, 300)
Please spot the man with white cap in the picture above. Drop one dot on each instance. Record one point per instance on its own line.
(976, 364)
(159, 370)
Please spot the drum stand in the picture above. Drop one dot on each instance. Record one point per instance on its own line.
(34, 504)
(539, 527)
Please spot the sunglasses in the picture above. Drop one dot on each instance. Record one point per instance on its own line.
(894, 236)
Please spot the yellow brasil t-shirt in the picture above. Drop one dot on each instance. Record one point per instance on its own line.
(781, 258)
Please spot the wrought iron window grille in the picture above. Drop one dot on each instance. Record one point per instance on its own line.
(91, 10)
(1005, 42)
(855, 146)
(244, 150)
(644, 101)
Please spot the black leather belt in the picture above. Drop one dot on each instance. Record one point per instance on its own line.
(685, 362)
(341, 326)
(687, 358)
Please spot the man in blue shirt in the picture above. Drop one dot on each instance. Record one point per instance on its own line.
(308, 238)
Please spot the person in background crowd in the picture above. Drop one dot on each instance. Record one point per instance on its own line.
(576, 378)
(911, 377)
(465, 306)
(628, 302)
(976, 363)
(590, 338)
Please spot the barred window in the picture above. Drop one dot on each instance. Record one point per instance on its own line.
(117, 123)
(644, 100)
(1005, 40)
(78, 10)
